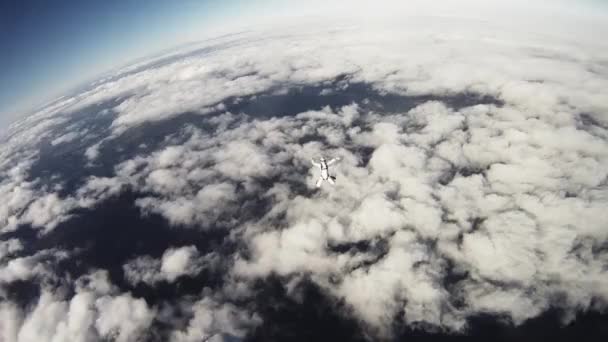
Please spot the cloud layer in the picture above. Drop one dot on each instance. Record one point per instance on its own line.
(473, 181)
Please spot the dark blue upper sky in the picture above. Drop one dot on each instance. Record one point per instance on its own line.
(48, 46)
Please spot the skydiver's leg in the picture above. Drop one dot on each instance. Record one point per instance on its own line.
(331, 180)
(319, 181)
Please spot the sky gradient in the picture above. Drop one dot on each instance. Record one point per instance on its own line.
(50, 46)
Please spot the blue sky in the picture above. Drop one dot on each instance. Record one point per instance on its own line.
(49, 46)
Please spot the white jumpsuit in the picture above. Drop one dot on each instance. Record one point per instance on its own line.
(324, 166)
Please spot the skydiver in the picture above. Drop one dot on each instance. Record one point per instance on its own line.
(324, 166)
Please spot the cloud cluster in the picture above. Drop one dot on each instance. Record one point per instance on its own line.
(468, 184)
(212, 321)
(96, 311)
(37, 265)
(175, 262)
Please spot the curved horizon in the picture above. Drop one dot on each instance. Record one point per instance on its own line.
(55, 47)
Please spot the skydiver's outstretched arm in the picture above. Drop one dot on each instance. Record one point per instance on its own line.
(315, 163)
(333, 160)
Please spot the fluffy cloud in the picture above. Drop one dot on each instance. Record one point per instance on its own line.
(38, 265)
(134, 318)
(93, 313)
(9, 247)
(212, 321)
(175, 262)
